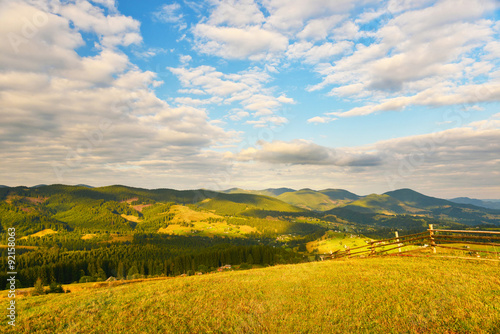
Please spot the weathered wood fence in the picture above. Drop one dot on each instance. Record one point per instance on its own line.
(472, 242)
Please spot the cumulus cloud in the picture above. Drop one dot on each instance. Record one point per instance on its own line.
(246, 88)
(316, 53)
(444, 163)
(113, 30)
(263, 32)
(251, 42)
(318, 29)
(171, 13)
(302, 152)
(422, 55)
(290, 15)
(236, 13)
(459, 147)
(320, 119)
(66, 117)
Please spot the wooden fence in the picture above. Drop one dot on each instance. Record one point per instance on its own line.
(475, 243)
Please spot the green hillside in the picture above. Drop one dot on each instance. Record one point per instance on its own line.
(381, 204)
(237, 203)
(418, 200)
(376, 295)
(340, 194)
(308, 199)
(271, 192)
(322, 200)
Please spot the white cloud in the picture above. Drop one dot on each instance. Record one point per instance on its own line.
(246, 88)
(320, 119)
(171, 13)
(196, 102)
(287, 15)
(112, 30)
(318, 29)
(423, 55)
(443, 163)
(262, 32)
(348, 31)
(441, 95)
(236, 13)
(251, 42)
(238, 115)
(303, 152)
(316, 53)
(98, 116)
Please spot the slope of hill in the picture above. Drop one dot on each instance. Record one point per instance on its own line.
(409, 203)
(271, 192)
(236, 203)
(416, 199)
(339, 194)
(384, 204)
(115, 208)
(322, 200)
(308, 199)
(376, 295)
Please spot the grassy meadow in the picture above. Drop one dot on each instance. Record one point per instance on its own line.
(372, 295)
(334, 241)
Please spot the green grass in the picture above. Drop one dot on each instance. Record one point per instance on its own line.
(380, 204)
(234, 204)
(309, 199)
(375, 295)
(334, 241)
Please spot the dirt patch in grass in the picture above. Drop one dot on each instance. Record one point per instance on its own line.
(140, 207)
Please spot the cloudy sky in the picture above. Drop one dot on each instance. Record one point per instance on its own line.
(365, 95)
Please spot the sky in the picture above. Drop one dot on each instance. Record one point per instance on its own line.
(364, 95)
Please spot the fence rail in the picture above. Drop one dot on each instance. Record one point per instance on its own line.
(432, 239)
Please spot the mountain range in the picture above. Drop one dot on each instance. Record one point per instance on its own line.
(490, 204)
(107, 208)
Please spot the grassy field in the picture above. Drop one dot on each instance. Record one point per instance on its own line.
(374, 295)
(336, 241)
(209, 230)
(200, 225)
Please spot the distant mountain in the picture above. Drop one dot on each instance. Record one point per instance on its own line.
(339, 194)
(306, 198)
(322, 200)
(237, 203)
(416, 199)
(39, 185)
(383, 204)
(373, 208)
(105, 208)
(2, 186)
(84, 185)
(272, 192)
(477, 202)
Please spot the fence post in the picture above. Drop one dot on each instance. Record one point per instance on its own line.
(397, 240)
(372, 247)
(431, 238)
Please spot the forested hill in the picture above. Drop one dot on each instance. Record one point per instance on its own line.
(61, 207)
(121, 209)
(72, 233)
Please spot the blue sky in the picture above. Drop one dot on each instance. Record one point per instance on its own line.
(364, 95)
